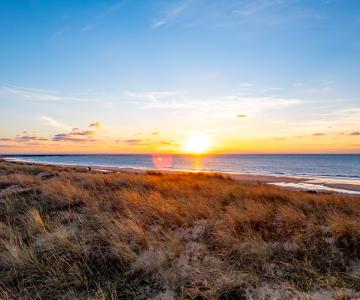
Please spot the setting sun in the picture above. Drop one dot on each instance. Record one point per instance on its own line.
(196, 143)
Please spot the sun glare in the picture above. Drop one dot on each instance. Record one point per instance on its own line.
(196, 143)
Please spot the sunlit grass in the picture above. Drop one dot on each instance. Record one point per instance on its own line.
(69, 233)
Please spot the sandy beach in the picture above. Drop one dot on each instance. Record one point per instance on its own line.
(350, 186)
(292, 182)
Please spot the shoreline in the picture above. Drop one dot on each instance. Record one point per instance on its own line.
(317, 184)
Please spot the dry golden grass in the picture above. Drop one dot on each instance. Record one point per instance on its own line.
(69, 233)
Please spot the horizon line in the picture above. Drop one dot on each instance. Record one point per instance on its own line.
(175, 154)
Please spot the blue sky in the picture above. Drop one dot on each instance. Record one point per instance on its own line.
(290, 67)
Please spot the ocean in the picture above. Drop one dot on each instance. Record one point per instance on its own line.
(337, 166)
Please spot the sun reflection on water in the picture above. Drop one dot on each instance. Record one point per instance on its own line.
(194, 163)
(197, 164)
(162, 161)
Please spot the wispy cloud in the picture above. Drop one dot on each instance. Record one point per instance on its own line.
(135, 142)
(256, 6)
(171, 14)
(61, 31)
(29, 138)
(63, 137)
(232, 13)
(323, 87)
(36, 94)
(99, 18)
(160, 99)
(24, 138)
(186, 101)
(55, 123)
(274, 12)
(340, 119)
(76, 136)
(170, 143)
(30, 93)
(152, 95)
(148, 142)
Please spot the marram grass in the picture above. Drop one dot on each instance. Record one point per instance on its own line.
(67, 233)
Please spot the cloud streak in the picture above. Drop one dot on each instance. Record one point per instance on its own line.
(29, 138)
(76, 136)
(256, 6)
(318, 134)
(135, 142)
(232, 13)
(211, 106)
(61, 31)
(99, 18)
(274, 12)
(36, 94)
(54, 123)
(24, 138)
(171, 14)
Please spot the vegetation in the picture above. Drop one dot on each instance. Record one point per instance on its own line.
(70, 233)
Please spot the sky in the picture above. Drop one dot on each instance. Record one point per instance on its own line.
(139, 76)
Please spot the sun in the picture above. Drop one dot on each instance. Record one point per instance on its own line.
(196, 143)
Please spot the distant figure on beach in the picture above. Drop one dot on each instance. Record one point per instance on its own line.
(89, 168)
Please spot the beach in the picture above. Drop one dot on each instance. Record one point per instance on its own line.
(339, 185)
(292, 182)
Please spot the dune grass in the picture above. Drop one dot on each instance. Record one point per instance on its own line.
(67, 233)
